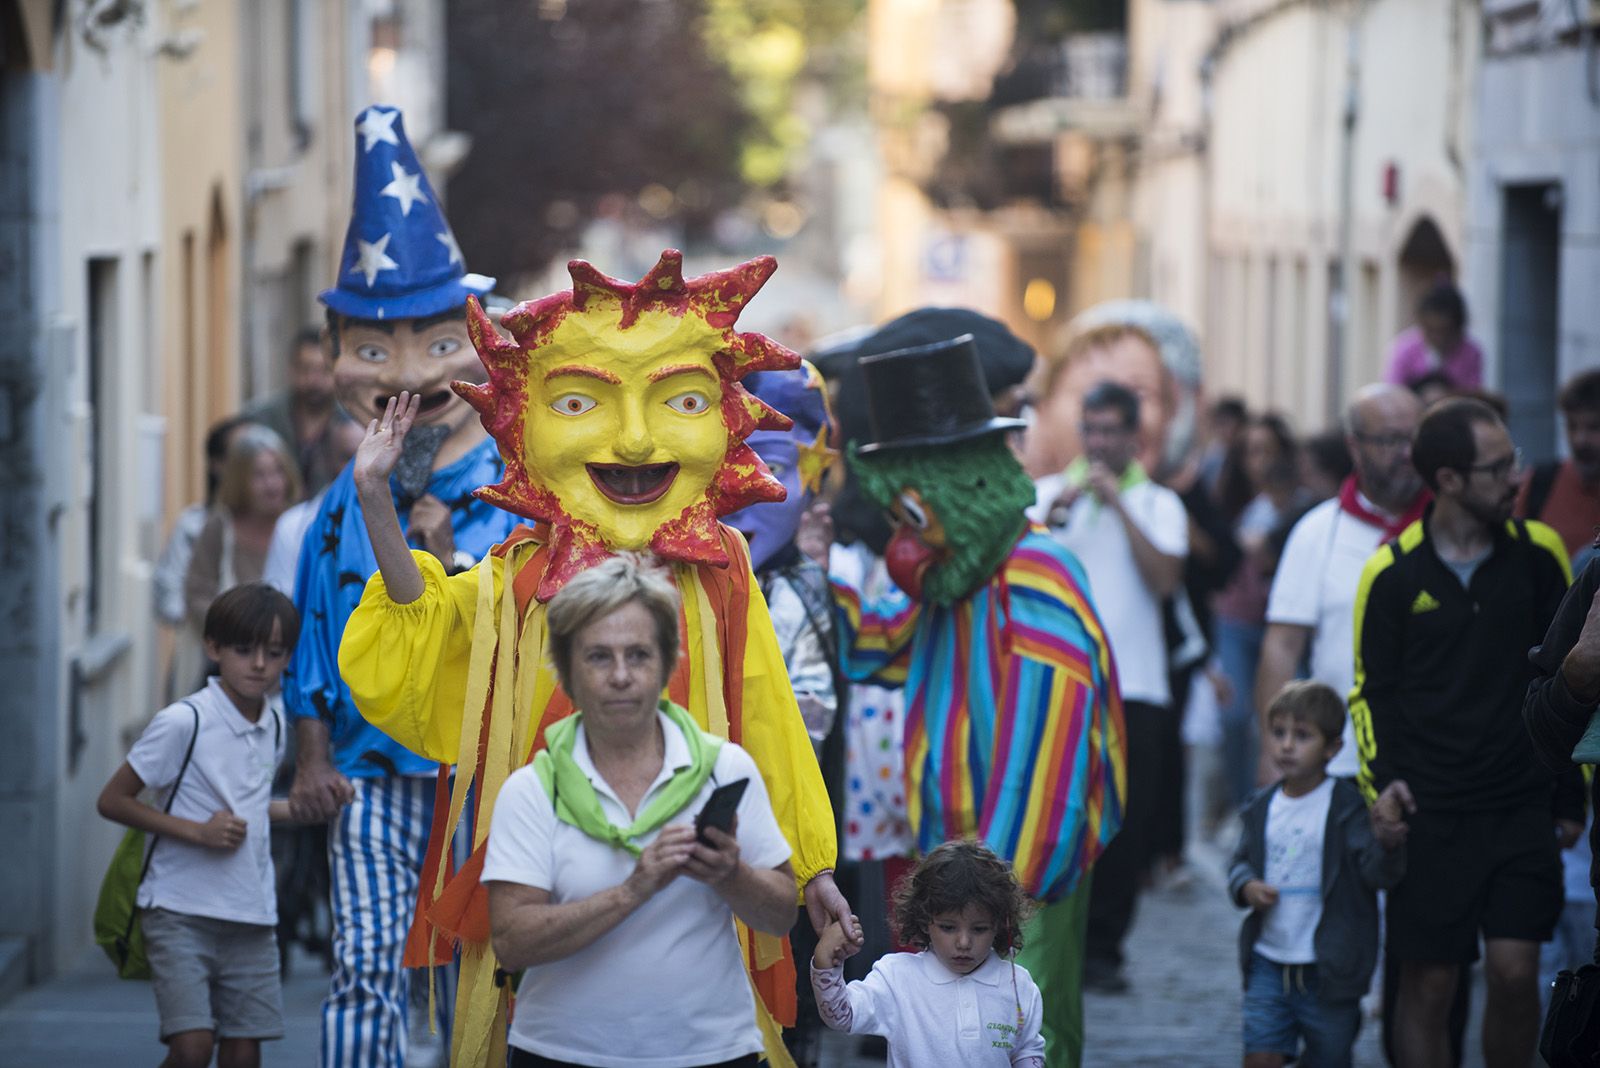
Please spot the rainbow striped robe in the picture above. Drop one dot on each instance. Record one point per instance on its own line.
(1013, 729)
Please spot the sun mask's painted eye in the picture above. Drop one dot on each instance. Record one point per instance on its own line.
(911, 508)
(572, 403)
(690, 402)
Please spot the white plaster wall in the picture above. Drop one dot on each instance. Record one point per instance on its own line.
(1274, 185)
(1537, 124)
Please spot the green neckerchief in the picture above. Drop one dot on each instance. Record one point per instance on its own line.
(1077, 473)
(574, 797)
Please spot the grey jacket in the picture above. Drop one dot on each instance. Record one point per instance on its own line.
(1354, 868)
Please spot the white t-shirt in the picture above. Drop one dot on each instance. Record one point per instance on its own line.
(232, 768)
(1295, 829)
(931, 1015)
(1129, 609)
(1316, 587)
(674, 965)
(283, 553)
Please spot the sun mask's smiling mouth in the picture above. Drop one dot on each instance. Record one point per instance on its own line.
(431, 402)
(622, 484)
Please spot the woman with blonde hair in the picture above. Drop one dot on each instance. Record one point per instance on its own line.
(260, 479)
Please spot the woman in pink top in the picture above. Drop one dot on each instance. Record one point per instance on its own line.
(1438, 343)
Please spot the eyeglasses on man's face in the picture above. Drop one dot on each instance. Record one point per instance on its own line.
(1501, 468)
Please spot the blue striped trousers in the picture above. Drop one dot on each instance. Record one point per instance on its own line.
(376, 848)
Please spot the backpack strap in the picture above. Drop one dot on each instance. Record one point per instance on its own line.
(188, 753)
(1544, 477)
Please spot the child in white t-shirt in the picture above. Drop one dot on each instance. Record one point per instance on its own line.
(962, 1000)
(207, 904)
(1308, 866)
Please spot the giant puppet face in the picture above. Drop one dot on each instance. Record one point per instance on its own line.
(620, 415)
(957, 511)
(377, 359)
(798, 458)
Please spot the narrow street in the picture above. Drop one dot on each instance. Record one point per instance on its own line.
(1183, 1007)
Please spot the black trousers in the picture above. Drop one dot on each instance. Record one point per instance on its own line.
(1120, 870)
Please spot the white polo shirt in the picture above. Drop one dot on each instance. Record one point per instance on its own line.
(665, 988)
(1129, 609)
(232, 768)
(1315, 587)
(931, 1015)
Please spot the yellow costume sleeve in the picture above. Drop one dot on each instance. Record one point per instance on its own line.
(406, 664)
(776, 739)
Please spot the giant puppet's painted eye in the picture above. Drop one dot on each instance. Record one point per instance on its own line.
(690, 402)
(572, 403)
(372, 353)
(911, 508)
(444, 346)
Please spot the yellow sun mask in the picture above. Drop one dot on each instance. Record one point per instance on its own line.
(620, 416)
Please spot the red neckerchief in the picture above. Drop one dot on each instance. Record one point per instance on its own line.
(1350, 501)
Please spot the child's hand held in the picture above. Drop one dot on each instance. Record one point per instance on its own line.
(223, 830)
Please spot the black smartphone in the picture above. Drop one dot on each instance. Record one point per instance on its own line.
(720, 808)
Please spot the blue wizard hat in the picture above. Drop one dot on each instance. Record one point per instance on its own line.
(400, 259)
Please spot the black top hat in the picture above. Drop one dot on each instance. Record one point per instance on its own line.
(929, 395)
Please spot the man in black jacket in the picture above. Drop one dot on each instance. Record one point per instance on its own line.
(1445, 615)
(1563, 699)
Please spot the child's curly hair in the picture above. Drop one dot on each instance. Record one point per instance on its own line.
(953, 876)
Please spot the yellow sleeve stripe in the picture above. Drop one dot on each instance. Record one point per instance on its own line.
(1547, 539)
(1360, 711)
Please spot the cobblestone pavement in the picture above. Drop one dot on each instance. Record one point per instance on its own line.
(1183, 1008)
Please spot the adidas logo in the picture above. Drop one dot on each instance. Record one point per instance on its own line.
(1425, 602)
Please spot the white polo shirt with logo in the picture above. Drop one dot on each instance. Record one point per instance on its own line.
(231, 768)
(1315, 587)
(665, 988)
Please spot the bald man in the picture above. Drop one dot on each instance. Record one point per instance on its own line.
(1314, 592)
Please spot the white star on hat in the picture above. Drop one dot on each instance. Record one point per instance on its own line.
(448, 240)
(378, 126)
(406, 188)
(373, 258)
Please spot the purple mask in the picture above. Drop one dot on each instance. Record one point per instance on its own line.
(798, 458)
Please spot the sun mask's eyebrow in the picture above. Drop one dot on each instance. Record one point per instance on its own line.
(583, 371)
(681, 369)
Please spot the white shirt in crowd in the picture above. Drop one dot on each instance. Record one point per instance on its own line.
(283, 553)
(1315, 586)
(675, 962)
(1129, 609)
(931, 1015)
(232, 768)
(1295, 829)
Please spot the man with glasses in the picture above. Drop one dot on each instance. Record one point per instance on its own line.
(1314, 589)
(1132, 536)
(1444, 618)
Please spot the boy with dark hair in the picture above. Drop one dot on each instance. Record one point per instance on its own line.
(1308, 866)
(208, 904)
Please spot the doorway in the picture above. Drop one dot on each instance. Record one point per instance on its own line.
(1530, 276)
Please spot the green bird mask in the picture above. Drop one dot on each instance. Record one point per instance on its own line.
(957, 508)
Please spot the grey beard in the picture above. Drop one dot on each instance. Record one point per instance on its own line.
(415, 468)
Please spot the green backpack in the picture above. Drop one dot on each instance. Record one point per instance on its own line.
(116, 914)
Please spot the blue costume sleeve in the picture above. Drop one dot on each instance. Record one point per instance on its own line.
(335, 562)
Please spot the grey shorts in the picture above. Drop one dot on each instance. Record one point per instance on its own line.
(213, 975)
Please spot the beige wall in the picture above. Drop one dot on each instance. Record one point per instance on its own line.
(202, 167)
